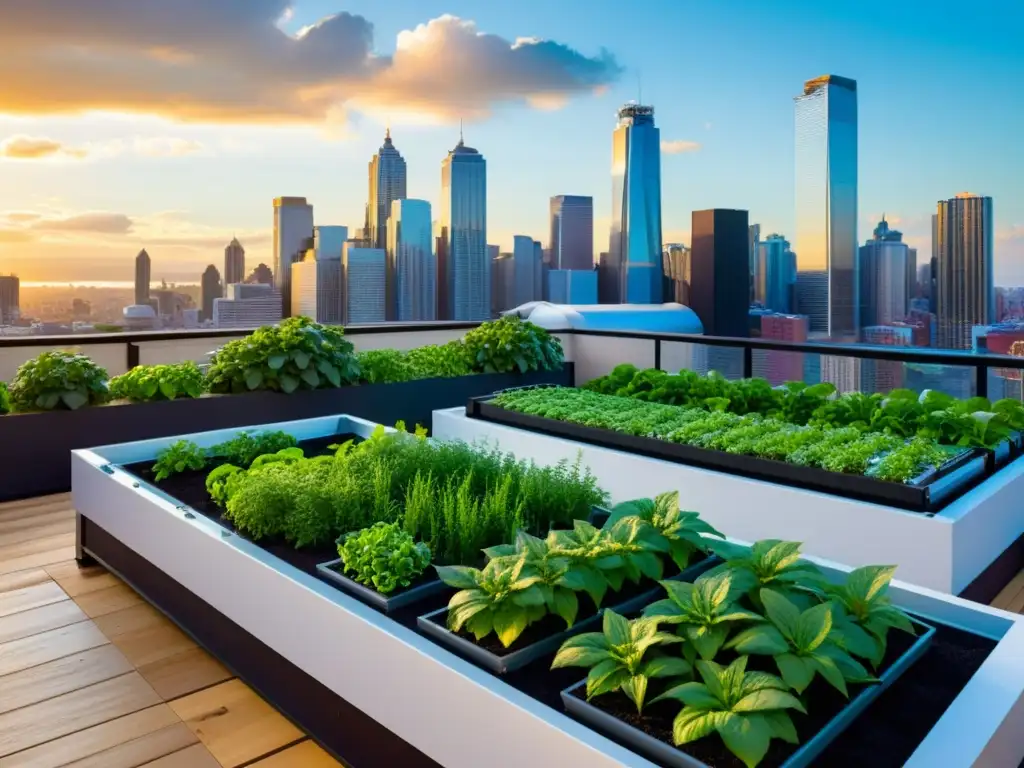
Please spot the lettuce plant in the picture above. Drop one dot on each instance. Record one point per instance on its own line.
(58, 380)
(218, 483)
(746, 709)
(145, 383)
(178, 457)
(383, 556)
(682, 531)
(511, 344)
(617, 657)
(618, 378)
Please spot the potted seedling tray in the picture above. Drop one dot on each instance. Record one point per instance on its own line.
(434, 624)
(427, 586)
(926, 493)
(667, 754)
(1005, 452)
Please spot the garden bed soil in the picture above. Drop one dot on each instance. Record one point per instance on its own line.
(885, 735)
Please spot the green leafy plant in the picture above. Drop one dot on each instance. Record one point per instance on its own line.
(179, 456)
(617, 657)
(218, 482)
(439, 360)
(383, 556)
(746, 709)
(283, 456)
(58, 380)
(293, 354)
(906, 462)
(246, 447)
(766, 563)
(5, 399)
(511, 344)
(384, 366)
(612, 382)
(581, 547)
(682, 531)
(145, 383)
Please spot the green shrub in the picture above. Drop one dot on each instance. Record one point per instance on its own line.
(246, 447)
(511, 344)
(294, 354)
(178, 457)
(58, 381)
(383, 556)
(144, 383)
(435, 361)
(218, 482)
(5, 399)
(384, 366)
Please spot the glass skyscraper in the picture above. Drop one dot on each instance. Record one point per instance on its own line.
(826, 206)
(963, 279)
(883, 278)
(412, 269)
(293, 226)
(775, 276)
(571, 243)
(387, 184)
(634, 249)
(463, 261)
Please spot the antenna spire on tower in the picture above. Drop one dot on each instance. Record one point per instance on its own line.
(460, 132)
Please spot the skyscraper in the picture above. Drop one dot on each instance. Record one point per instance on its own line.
(571, 243)
(675, 261)
(10, 299)
(293, 225)
(572, 286)
(412, 268)
(329, 240)
(634, 249)
(463, 264)
(883, 277)
(775, 276)
(526, 256)
(826, 206)
(755, 246)
(316, 286)
(211, 290)
(142, 277)
(387, 184)
(963, 283)
(719, 260)
(234, 262)
(363, 277)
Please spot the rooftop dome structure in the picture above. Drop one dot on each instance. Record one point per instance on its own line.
(656, 318)
(139, 312)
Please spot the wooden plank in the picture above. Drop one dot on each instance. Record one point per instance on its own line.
(143, 750)
(52, 523)
(53, 616)
(235, 724)
(30, 506)
(183, 673)
(104, 601)
(308, 754)
(29, 513)
(51, 719)
(1006, 596)
(197, 756)
(35, 546)
(143, 634)
(27, 598)
(91, 741)
(22, 579)
(37, 559)
(76, 580)
(47, 646)
(55, 678)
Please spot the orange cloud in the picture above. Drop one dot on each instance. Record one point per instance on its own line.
(36, 148)
(678, 146)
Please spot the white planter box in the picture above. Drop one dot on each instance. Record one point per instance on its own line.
(452, 711)
(945, 551)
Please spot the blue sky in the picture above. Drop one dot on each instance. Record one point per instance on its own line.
(941, 106)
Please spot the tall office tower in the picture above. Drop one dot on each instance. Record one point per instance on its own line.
(293, 223)
(540, 271)
(883, 277)
(260, 274)
(143, 269)
(234, 262)
(571, 243)
(776, 366)
(720, 252)
(503, 283)
(464, 266)
(387, 184)
(526, 257)
(492, 256)
(883, 376)
(328, 241)
(911, 274)
(634, 249)
(675, 263)
(826, 206)
(775, 275)
(755, 246)
(572, 286)
(211, 289)
(964, 290)
(924, 281)
(10, 299)
(363, 280)
(247, 305)
(412, 269)
(316, 278)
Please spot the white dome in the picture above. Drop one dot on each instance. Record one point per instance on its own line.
(139, 312)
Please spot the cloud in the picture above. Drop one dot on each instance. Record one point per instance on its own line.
(678, 146)
(95, 222)
(36, 148)
(230, 61)
(15, 236)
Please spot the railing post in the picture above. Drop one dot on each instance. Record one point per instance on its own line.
(981, 380)
(131, 355)
(657, 354)
(748, 362)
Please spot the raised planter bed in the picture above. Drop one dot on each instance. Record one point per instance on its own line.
(34, 447)
(427, 589)
(969, 547)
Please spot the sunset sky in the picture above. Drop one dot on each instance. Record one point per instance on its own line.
(171, 124)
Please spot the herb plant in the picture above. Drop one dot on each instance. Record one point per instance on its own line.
(682, 531)
(58, 381)
(439, 360)
(178, 457)
(244, 448)
(384, 366)
(766, 563)
(511, 344)
(145, 383)
(383, 556)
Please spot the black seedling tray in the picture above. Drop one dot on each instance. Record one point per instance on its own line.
(430, 588)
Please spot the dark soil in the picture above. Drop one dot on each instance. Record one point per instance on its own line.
(884, 735)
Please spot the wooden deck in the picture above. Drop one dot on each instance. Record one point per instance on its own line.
(93, 677)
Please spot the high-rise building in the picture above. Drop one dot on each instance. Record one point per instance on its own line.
(883, 376)
(211, 290)
(412, 268)
(572, 286)
(316, 285)
(826, 206)
(387, 184)
(10, 299)
(924, 281)
(964, 290)
(261, 274)
(720, 252)
(247, 305)
(142, 276)
(775, 275)
(571, 243)
(883, 266)
(328, 241)
(777, 366)
(526, 258)
(496, 306)
(363, 278)
(911, 274)
(464, 268)
(675, 261)
(755, 246)
(503, 282)
(234, 262)
(293, 224)
(634, 249)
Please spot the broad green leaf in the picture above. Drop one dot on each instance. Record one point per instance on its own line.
(605, 677)
(694, 695)
(276, 361)
(580, 656)
(762, 640)
(635, 688)
(856, 640)
(509, 623)
(253, 378)
(311, 377)
(330, 372)
(616, 628)
(894, 617)
(738, 614)
(74, 399)
(650, 564)
(288, 383)
(666, 611)
(706, 640)
(867, 582)
(813, 627)
(592, 640)
(529, 597)
(301, 359)
(767, 699)
(480, 625)
(458, 616)
(746, 736)
(781, 726)
(693, 724)
(499, 550)
(797, 672)
(167, 389)
(566, 605)
(828, 669)
(781, 612)
(458, 576)
(666, 666)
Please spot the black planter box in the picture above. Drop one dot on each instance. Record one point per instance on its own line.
(375, 599)
(35, 447)
(509, 662)
(926, 493)
(805, 755)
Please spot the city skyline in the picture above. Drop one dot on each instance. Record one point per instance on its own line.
(214, 179)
